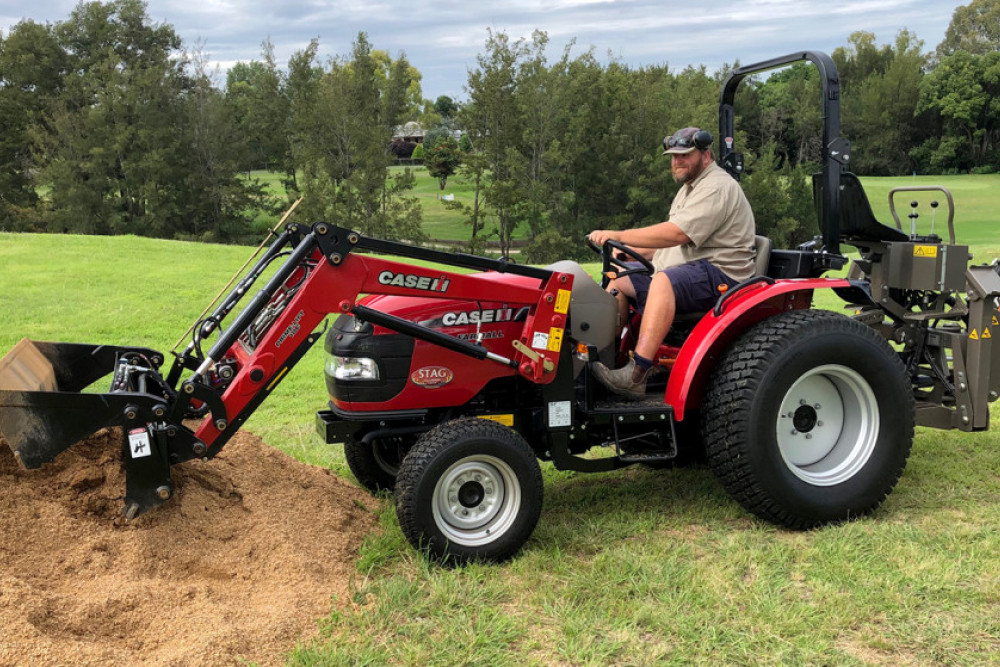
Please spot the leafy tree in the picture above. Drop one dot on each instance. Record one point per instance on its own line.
(436, 134)
(116, 146)
(445, 107)
(301, 89)
(257, 96)
(965, 90)
(492, 117)
(974, 28)
(32, 66)
(345, 147)
(219, 204)
(880, 94)
(444, 160)
(781, 199)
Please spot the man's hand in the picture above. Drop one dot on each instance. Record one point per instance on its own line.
(601, 236)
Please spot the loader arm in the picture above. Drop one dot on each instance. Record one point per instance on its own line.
(42, 411)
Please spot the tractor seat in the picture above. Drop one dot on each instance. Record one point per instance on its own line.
(858, 227)
(762, 255)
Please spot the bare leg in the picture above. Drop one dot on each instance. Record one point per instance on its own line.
(661, 306)
(626, 291)
(658, 317)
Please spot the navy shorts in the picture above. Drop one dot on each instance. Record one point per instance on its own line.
(696, 285)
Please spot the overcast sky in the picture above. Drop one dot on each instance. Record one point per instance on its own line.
(441, 38)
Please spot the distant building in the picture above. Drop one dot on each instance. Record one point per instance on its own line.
(410, 132)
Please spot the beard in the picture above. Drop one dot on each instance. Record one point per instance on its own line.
(686, 174)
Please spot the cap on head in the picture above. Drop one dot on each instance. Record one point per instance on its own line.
(686, 140)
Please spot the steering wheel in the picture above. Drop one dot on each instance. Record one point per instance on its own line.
(611, 262)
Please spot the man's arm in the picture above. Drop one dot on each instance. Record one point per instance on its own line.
(661, 235)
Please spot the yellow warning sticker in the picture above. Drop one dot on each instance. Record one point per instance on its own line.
(506, 420)
(555, 339)
(925, 251)
(986, 333)
(995, 323)
(974, 335)
(562, 301)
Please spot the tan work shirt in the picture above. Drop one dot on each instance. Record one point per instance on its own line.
(715, 214)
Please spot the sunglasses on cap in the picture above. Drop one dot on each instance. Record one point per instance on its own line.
(700, 139)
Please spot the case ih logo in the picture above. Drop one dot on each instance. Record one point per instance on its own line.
(477, 317)
(432, 377)
(412, 281)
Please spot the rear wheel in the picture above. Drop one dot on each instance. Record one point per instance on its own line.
(470, 489)
(375, 465)
(808, 419)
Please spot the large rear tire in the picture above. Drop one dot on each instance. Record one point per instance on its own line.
(469, 490)
(808, 419)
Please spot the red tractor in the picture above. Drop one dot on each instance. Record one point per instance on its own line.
(448, 388)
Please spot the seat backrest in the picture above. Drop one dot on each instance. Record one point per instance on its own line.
(762, 255)
(857, 221)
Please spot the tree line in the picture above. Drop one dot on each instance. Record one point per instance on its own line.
(112, 126)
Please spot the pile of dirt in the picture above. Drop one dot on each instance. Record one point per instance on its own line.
(238, 566)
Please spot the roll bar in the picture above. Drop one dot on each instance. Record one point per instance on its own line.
(836, 149)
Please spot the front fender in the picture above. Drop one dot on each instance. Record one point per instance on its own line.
(713, 333)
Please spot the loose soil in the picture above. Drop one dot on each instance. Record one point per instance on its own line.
(253, 549)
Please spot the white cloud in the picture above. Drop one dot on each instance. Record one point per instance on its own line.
(442, 37)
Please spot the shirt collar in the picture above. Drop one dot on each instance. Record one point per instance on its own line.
(704, 172)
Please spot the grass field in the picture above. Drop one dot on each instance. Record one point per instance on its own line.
(635, 567)
(440, 222)
(975, 196)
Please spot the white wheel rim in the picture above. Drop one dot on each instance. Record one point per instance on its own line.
(828, 425)
(476, 500)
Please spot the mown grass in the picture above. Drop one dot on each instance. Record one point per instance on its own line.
(636, 567)
(439, 221)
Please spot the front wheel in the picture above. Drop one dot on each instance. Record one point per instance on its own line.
(375, 464)
(470, 489)
(808, 419)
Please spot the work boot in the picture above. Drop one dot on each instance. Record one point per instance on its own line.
(628, 381)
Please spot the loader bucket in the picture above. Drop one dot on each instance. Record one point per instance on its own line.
(42, 411)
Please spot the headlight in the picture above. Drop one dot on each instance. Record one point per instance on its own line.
(352, 368)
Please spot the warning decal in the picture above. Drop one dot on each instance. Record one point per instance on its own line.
(506, 420)
(555, 339)
(138, 443)
(562, 301)
(974, 335)
(925, 251)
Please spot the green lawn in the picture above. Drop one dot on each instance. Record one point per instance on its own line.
(440, 222)
(977, 206)
(635, 567)
(975, 197)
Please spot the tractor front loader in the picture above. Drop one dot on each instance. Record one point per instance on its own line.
(44, 410)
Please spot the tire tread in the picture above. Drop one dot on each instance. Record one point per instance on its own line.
(734, 382)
